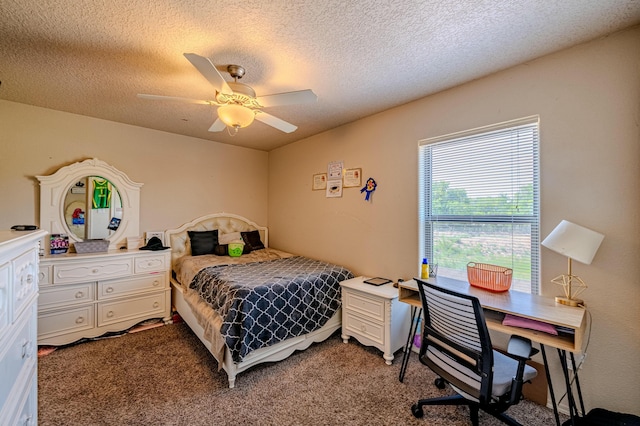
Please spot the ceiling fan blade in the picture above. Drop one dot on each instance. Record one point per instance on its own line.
(174, 99)
(217, 126)
(288, 98)
(275, 122)
(209, 71)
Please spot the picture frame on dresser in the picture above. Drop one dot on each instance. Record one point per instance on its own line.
(86, 295)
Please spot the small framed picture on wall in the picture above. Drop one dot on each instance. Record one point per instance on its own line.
(352, 177)
(319, 182)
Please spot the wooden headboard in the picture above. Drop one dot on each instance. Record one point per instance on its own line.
(178, 239)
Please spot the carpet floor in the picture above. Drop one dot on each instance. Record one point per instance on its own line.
(165, 376)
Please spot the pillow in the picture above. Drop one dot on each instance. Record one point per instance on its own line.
(230, 237)
(203, 242)
(221, 250)
(252, 239)
(521, 322)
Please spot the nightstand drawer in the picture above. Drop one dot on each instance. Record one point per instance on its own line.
(67, 295)
(364, 327)
(117, 288)
(364, 304)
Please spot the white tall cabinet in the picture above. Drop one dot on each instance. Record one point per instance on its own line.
(18, 322)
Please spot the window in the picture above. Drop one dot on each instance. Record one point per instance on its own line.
(479, 201)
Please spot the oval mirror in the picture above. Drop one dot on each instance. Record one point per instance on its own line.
(117, 202)
(92, 208)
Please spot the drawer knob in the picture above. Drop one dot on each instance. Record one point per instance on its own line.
(79, 295)
(156, 304)
(29, 278)
(156, 283)
(95, 271)
(110, 314)
(363, 327)
(79, 320)
(109, 289)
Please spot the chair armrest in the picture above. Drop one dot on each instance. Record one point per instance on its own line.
(520, 348)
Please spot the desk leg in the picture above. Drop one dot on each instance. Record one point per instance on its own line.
(575, 372)
(412, 332)
(548, 374)
(573, 409)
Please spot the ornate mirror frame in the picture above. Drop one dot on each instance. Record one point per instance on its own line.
(53, 189)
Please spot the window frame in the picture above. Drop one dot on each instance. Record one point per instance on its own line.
(425, 185)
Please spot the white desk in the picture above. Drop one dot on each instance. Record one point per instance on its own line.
(569, 320)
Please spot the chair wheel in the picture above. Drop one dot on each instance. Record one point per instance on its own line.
(417, 411)
(440, 383)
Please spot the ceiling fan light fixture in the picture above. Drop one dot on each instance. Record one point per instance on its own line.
(236, 116)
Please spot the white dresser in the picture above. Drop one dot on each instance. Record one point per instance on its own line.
(18, 320)
(374, 316)
(88, 295)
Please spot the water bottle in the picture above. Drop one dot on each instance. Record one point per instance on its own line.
(424, 274)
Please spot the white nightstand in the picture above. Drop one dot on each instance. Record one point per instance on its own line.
(374, 316)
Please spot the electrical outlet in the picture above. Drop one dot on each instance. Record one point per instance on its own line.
(151, 234)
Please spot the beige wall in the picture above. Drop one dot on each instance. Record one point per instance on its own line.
(183, 177)
(588, 101)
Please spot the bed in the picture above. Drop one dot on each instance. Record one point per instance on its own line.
(259, 307)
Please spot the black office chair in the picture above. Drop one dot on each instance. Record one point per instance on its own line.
(457, 347)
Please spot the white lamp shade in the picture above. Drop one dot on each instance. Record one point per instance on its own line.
(574, 241)
(236, 115)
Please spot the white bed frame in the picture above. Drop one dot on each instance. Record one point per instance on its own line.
(226, 223)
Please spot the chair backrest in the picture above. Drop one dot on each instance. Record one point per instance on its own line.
(455, 341)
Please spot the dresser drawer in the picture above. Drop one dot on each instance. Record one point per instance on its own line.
(145, 306)
(19, 354)
(25, 284)
(144, 284)
(362, 326)
(27, 409)
(93, 270)
(44, 277)
(150, 264)
(365, 305)
(5, 272)
(67, 321)
(67, 295)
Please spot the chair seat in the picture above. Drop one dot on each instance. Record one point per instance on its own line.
(504, 370)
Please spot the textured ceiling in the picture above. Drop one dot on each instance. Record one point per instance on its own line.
(91, 57)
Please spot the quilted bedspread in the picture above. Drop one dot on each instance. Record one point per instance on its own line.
(265, 303)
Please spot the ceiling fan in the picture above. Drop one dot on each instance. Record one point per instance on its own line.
(237, 104)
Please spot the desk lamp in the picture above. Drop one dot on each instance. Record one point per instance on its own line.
(575, 242)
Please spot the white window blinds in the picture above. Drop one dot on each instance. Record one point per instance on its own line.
(479, 200)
